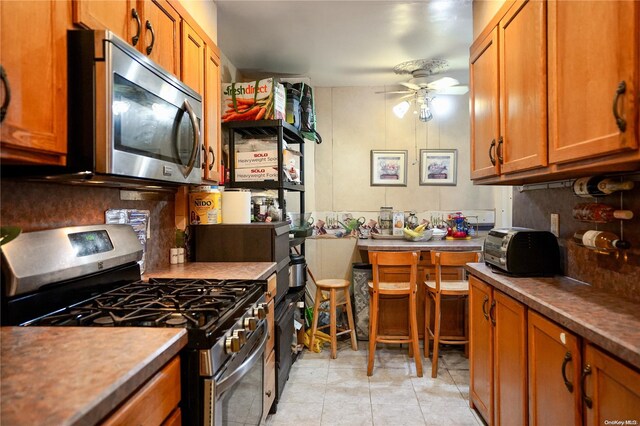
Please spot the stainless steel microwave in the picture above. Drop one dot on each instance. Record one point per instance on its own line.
(129, 119)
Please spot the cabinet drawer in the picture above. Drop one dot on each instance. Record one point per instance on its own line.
(271, 320)
(269, 383)
(272, 286)
(152, 403)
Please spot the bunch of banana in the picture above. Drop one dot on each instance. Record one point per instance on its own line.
(415, 234)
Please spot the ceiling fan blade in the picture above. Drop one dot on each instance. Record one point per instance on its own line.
(395, 91)
(442, 83)
(410, 85)
(411, 95)
(454, 90)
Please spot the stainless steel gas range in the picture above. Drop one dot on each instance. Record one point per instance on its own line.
(89, 276)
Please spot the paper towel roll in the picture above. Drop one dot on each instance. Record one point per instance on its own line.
(236, 207)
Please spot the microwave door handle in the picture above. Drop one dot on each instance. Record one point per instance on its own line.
(196, 136)
(243, 369)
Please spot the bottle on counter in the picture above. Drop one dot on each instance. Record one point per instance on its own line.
(598, 186)
(599, 213)
(600, 240)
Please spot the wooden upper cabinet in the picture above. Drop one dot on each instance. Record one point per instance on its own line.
(523, 87)
(116, 16)
(484, 104)
(554, 373)
(611, 389)
(592, 49)
(480, 349)
(212, 131)
(193, 58)
(151, 26)
(161, 34)
(34, 129)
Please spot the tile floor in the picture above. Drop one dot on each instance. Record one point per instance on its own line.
(324, 391)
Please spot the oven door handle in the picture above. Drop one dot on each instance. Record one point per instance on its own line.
(239, 372)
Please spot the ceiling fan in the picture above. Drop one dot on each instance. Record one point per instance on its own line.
(424, 84)
(424, 74)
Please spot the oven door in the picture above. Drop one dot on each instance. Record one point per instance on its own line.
(235, 394)
(148, 122)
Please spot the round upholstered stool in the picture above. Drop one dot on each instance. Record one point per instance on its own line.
(332, 286)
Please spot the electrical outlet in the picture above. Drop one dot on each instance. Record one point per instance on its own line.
(555, 224)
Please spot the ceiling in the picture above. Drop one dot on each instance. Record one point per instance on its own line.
(344, 43)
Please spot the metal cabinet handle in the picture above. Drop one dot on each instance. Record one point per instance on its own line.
(268, 393)
(484, 307)
(153, 37)
(213, 158)
(7, 94)
(567, 383)
(587, 400)
(499, 150)
(135, 38)
(621, 122)
(204, 157)
(492, 311)
(492, 148)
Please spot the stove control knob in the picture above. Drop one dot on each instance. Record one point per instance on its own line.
(232, 344)
(260, 311)
(251, 323)
(241, 334)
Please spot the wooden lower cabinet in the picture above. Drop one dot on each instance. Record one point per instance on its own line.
(269, 353)
(156, 403)
(611, 389)
(554, 373)
(498, 357)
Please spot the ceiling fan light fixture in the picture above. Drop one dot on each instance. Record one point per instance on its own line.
(401, 109)
(425, 113)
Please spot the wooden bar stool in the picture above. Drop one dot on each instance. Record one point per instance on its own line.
(436, 290)
(378, 287)
(332, 286)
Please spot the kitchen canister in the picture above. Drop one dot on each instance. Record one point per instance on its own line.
(204, 205)
(236, 206)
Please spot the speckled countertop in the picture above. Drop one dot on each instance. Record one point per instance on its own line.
(604, 319)
(216, 271)
(77, 375)
(372, 244)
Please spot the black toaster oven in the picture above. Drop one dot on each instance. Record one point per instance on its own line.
(522, 251)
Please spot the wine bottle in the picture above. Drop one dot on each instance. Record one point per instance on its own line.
(598, 186)
(599, 213)
(600, 240)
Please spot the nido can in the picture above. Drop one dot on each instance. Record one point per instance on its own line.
(204, 206)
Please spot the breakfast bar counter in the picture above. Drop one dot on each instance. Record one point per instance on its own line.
(373, 244)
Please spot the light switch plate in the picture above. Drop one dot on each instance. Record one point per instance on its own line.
(555, 224)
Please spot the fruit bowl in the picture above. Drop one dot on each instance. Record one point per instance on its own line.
(438, 234)
(426, 235)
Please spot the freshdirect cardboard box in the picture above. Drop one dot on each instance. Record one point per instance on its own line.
(255, 100)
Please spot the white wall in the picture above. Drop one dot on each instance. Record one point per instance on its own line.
(205, 12)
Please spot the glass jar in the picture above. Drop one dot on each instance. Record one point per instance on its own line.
(386, 220)
(412, 220)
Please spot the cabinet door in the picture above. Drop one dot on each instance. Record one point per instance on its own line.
(612, 388)
(116, 16)
(212, 115)
(164, 34)
(269, 383)
(592, 48)
(523, 87)
(480, 349)
(193, 58)
(484, 105)
(34, 129)
(554, 374)
(510, 361)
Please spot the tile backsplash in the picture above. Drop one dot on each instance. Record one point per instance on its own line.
(35, 206)
(533, 209)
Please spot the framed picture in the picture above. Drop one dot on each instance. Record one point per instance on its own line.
(388, 168)
(438, 166)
